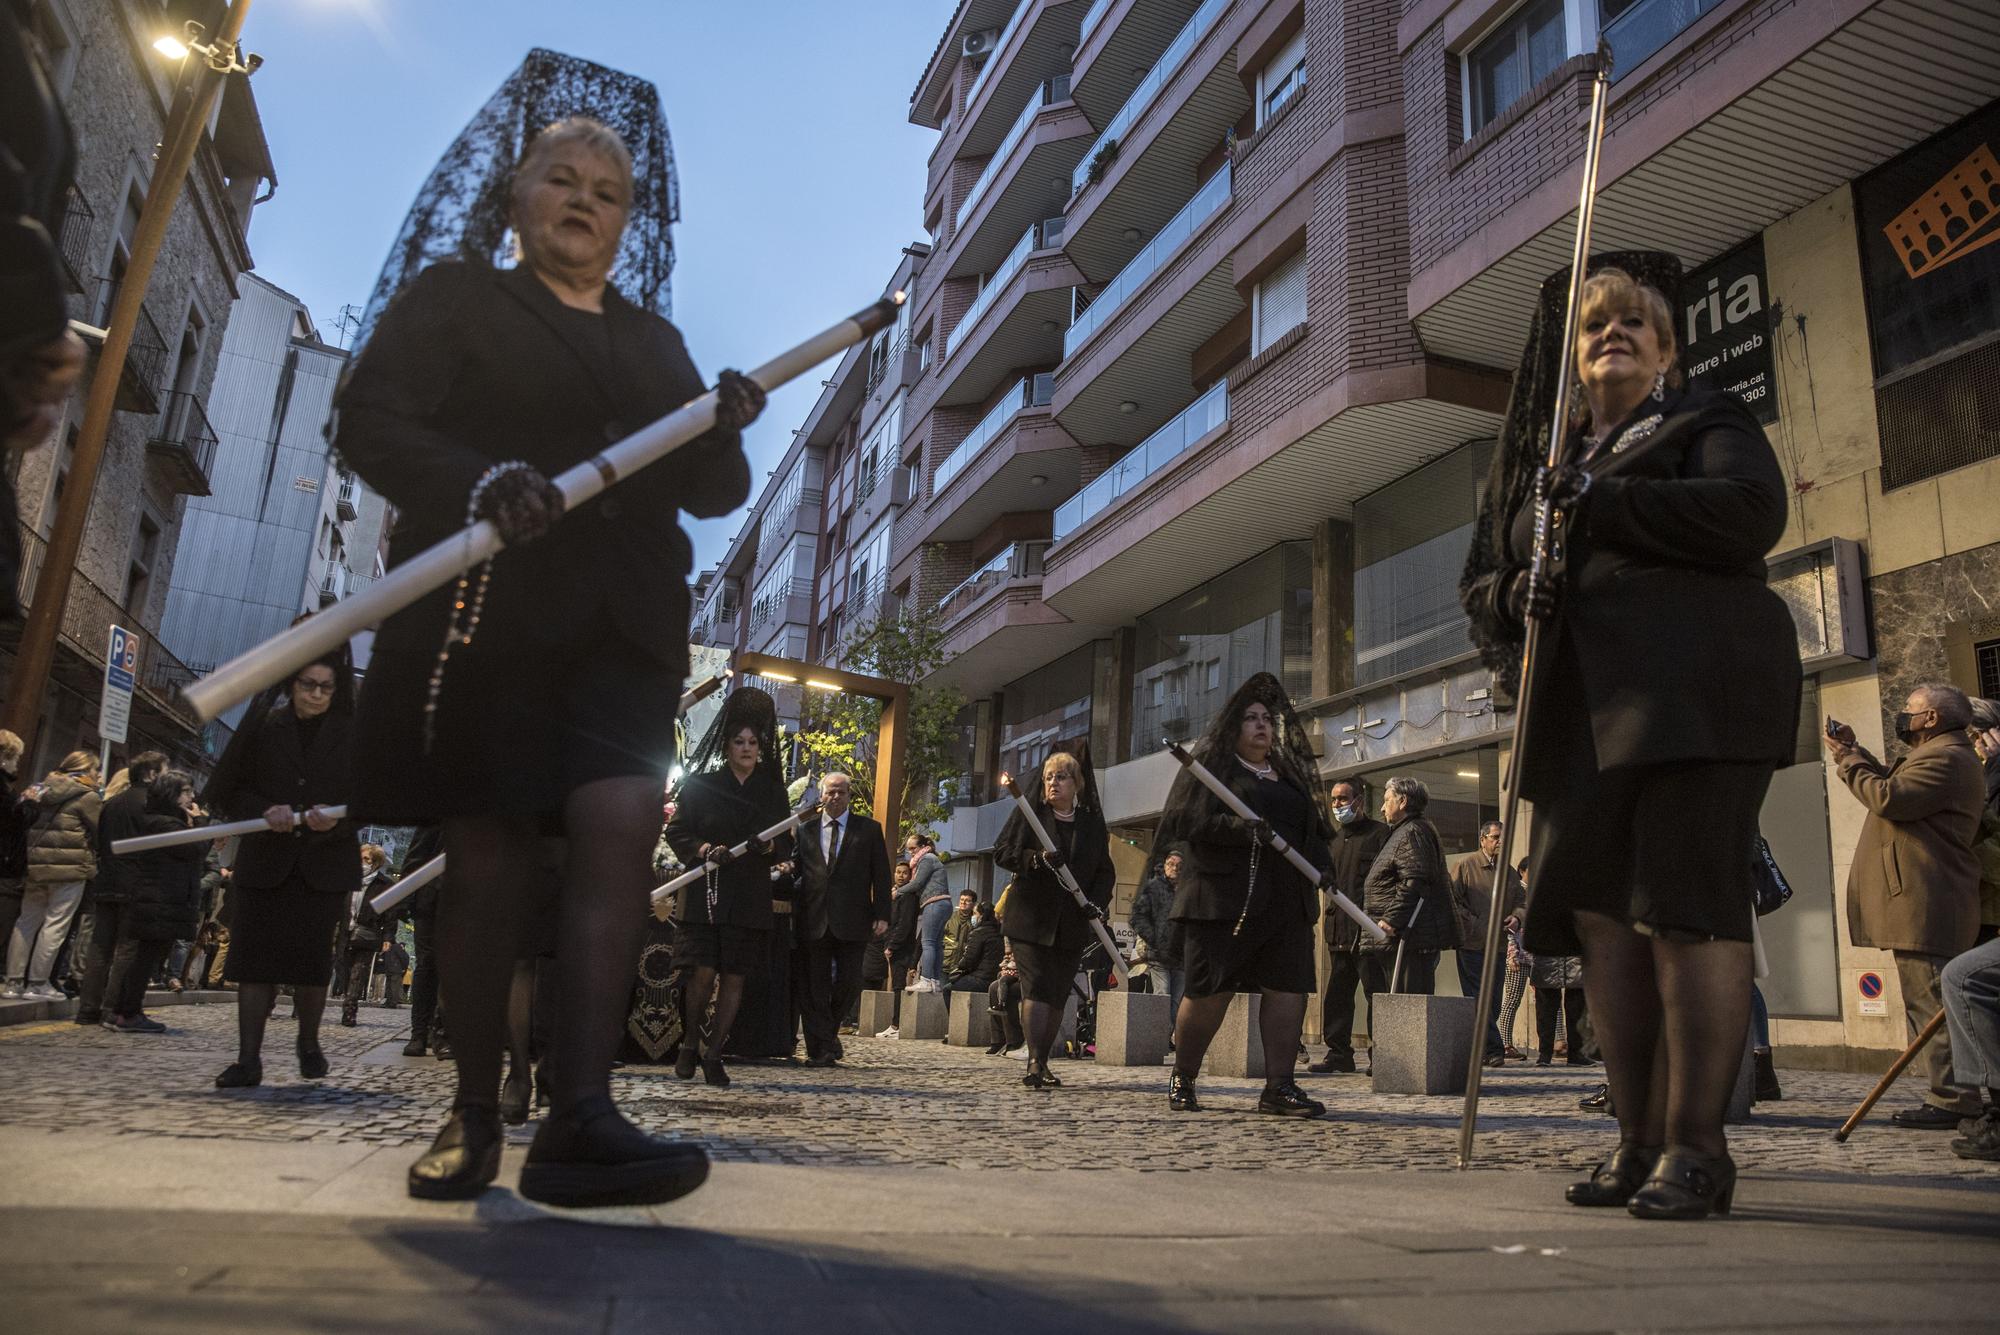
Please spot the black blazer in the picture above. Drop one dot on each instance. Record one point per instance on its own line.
(1678, 646)
(1353, 848)
(471, 366)
(1039, 910)
(713, 808)
(123, 817)
(846, 900)
(1215, 876)
(267, 765)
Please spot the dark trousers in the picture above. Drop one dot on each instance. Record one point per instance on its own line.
(826, 983)
(1005, 996)
(900, 965)
(96, 970)
(360, 967)
(1336, 1008)
(1469, 969)
(1419, 976)
(1570, 999)
(132, 966)
(424, 986)
(874, 974)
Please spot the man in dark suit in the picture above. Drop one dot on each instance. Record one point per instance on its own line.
(842, 904)
(1357, 838)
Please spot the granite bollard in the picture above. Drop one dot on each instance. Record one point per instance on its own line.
(878, 1012)
(1238, 1048)
(923, 1016)
(1133, 1029)
(970, 1024)
(1421, 1044)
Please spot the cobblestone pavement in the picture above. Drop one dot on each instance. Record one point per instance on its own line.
(906, 1103)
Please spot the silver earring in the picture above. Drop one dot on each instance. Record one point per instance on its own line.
(1659, 386)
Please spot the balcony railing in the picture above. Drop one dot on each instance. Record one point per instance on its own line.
(1017, 560)
(1156, 453)
(1041, 236)
(1033, 391)
(78, 221)
(1207, 202)
(1149, 87)
(1646, 27)
(184, 443)
(993, 59)
(1047, 93)
(145, 367)
(347, 502)
(333, 584)
(1090, 18)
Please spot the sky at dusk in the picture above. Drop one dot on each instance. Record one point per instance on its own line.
(801, 177)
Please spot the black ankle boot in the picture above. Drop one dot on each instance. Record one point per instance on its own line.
(350, 1010)
(240, 1075)
(1180, 1093)
(1616, 1178)
(712, 1072)
(463, 1160)
(1767, 1087)
(1286, 1099)
(688, 1060)
(515, 1093)
(1686, 1184)
(590, 1155)
(312, 1062)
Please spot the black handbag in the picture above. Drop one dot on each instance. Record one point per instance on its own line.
(1771, 889)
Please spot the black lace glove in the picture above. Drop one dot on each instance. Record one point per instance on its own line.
(1093, 912)
(738, 400)
(1518, 607)
(721, 855)
(1261, 831)
(522, 504)
(1054, 860)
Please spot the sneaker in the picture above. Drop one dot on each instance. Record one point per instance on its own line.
(13, 991)
(43, 992)
(1019, 1054)
(133, 1024)
(890, 1032)
(914, 985)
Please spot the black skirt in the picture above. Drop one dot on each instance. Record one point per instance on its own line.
(519, 725)
(1047, 972)
(283, 935)
(1273, 953)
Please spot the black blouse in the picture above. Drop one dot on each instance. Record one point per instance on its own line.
(717, 808)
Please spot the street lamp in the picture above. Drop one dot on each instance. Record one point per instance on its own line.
(185, 122)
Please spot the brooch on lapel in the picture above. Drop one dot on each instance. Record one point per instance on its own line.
(1637, 432)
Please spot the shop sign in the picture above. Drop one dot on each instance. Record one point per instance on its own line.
(1726, 332)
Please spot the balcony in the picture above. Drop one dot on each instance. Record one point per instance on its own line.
(1117, 45)
(1017, 560)
(145, 368)
(79, 220)
(1141, 98)
(347, 501)
(996, 626)
(998, 55)
(333, 584)
(1033, 391)
(184, 444)
(1023, 181)
(1153, 456)
(1016, 320)
(1208, 201)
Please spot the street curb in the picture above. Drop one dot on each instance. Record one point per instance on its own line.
(40, 1012)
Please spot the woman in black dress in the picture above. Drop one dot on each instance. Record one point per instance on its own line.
(1246, 914)
(164, 904)
(1668, 685)
(540, 696)
(1045, 926)
(722, 924)
(289, 887)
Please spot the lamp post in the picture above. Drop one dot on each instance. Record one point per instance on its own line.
(186, 119)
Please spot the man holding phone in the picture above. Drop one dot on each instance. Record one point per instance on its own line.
(1913, 889)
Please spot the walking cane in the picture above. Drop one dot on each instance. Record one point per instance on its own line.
(1068, 879)
(1889, 1077)
(663, 896)
(1402, 944)
(201, 834)
(286, 652)
(1511, 804)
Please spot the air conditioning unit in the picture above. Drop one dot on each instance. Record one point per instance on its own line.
(979, 45)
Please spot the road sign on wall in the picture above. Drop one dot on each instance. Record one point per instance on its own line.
(121, 673)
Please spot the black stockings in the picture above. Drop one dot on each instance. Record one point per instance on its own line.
(728, 998)
(1671, 1017)
(254, 1004)
(1040, 1023)
(1281, 1018)
(521, 1024)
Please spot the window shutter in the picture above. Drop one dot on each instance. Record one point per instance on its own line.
(1281, 302)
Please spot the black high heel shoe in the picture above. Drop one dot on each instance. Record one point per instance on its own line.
(515, 1095)
(462, 1161)
(1686, 1184)
(712, 1072)
(690, 1057)
(1614, 1180)
(312, 1062)
(240, 1075)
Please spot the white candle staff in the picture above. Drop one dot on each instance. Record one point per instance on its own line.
(1285, 850)
(409, 885)
(704, 688)
(1068, 879)
(286, 652)
(201, 834)
(663, 896)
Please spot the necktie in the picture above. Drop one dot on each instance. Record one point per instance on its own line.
(833, 844)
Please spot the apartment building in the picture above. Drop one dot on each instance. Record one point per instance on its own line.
(1217, 326)
(162, 445)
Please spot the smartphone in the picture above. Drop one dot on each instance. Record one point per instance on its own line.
(1834, 727)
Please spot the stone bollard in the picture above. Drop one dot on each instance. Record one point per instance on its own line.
(1421, 1044)
(1238, 1049)
(878, 1012)
(1133, 1029)
(1741, 1097)
(970, 1024)
(923, 1016)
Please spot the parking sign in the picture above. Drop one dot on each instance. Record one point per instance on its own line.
(121, 668)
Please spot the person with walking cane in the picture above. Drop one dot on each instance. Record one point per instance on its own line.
(1666, 680)
(1408, 893)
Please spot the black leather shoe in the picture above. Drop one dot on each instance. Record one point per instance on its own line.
(1616, 1178)
(591, 1155)
(1598, 1100)
(312, 1062)
(1033, 1079)
(1331, 1065)
(462, 1161)
(824, 1060)
(1288, 1100)
(515, 1094)
(240, 1075)
(1180, 1093)
(414, 1048)
(1050, 1080)
(1685, 1184)
(1493, 1060)
(712, 1072)
(348, 1014)
(1767, 1088)
(994, 1049)
(1925, 1117)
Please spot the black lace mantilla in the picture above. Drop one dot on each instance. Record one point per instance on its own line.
(461, 212)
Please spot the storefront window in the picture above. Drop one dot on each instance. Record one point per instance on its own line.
(1410, 541)
(1046, 711)
(1192, 653)
(1465, 794)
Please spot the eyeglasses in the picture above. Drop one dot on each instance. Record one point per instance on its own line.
(311, 687)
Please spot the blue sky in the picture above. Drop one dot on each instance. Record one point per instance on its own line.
(801, 178)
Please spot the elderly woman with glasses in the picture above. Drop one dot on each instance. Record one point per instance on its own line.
(540, 696)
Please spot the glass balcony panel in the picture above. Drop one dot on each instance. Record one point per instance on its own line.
(1149, 87)
(1030, 392)
(1006, 36)
(1090, 18)
(1050, 91)
(1003, 275)
(1148, 458)
(1207, 201)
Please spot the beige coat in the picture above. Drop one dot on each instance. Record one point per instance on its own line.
(1914, 885)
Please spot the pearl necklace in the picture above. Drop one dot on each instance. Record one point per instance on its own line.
(1261, 771)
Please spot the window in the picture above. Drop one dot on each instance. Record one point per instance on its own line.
(1278, 302)
(924, 354)
(1986, 661)
(1047, 711)
(1410, 540)
(121, 250)
(1282, 79)
(54, 34)
(1520, 53)
(139, 574)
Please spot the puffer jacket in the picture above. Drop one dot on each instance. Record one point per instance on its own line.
(1555, 971)
(165, 887)
(62, 843)
(1409, 872)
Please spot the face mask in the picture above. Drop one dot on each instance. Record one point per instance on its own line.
(1347, 815)
(1904, 733)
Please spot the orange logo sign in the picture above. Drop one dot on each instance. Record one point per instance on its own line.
(1955, 217)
